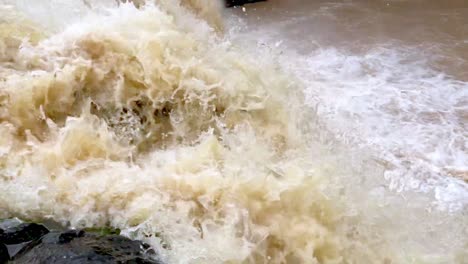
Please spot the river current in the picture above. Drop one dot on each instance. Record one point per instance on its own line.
(281, 132)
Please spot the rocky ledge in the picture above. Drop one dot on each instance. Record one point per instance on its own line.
(231, 3)
(34, 243)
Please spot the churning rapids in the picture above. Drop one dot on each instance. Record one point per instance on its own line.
(158, 121)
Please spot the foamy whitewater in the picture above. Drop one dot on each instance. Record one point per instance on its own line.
(152, 120)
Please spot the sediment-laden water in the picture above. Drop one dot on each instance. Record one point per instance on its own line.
(215, 143)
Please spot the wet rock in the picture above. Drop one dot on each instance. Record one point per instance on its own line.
(77, 246)
(21, 233)
(16, 235)
(231, 3)
(68, 236)
(4, 256)
(34, 243)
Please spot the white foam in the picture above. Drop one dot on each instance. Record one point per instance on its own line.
(397, 105)
(387, 99)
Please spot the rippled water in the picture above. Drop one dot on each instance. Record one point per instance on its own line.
(297, 132)
(386, 74)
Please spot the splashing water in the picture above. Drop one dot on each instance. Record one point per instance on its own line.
(149, 120)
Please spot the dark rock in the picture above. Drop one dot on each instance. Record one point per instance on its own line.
(33, 243)
(16, 235)
(80, 247)
(231, 3)
(4, 256)
(21, 233)
(7, 223)
(14, 249)
(68, 236)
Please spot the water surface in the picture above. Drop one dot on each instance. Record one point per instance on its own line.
(306, 132)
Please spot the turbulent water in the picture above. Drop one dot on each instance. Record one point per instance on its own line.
(217, 143)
